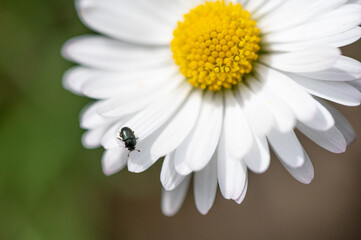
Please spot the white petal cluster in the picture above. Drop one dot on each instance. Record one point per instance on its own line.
(214, 137)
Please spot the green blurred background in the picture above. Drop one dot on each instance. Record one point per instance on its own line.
(52, 188)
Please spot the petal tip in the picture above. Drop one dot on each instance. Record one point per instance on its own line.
(82, 5)
(134, 168)
(108, 171)
(67, 49)
(307, 181)
(183, 169)
(167, 212)
(203, 211)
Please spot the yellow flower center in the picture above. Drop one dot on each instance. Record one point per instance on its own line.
(216, 45)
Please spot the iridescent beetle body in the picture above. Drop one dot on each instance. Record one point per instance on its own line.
(127, 136)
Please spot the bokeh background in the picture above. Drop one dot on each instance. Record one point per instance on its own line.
(52, 188)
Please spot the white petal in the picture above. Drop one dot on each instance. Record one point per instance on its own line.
(306, 109)
(179, 127)
(356, 84)
(232, 173)
(91, 119)
(159, 112)
(331, 140)
(135, 121)
(135, 21)
(168, 176)
(120, 106)
(109, 139)
(128, 85)
(322, 120)
(337, 40)
(173, 200)
(300, 101)
(197, 149)
(345, 69)
(108, 54)
(303, 174)
(75, 77)
(236, 128)
(339, 92)
(259, 117)
(267, 8)
(341, 123)
(294, 13)
(306, 60)
(286, 147)
(354, 1)
(114, 160)
(253, 5)
(205, 186)
(240, 199)
(242, 2)
(92, 138)
(258, 158)
(339, 20)
(282, 113)
(140, 161)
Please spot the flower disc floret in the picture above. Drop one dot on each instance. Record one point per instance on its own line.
(216, 45)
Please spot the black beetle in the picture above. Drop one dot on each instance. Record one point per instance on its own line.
(127, 136)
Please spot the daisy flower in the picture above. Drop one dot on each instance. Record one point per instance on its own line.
(210, 87)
